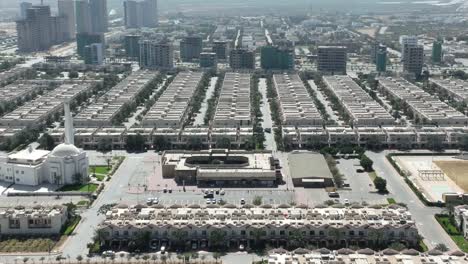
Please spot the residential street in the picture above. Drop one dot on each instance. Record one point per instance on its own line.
(429, 228)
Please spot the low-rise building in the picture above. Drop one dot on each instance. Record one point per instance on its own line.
(296, 105)
(112, 103)
(299, 164)
(425, 108)
(173, 105)
(457, 89)
(361, 108)
(233, 109)
(37, 220)
(240, 226)
(460, 215)
(39, 110)
(220, 167)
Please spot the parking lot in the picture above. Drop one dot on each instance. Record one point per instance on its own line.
(361, 187)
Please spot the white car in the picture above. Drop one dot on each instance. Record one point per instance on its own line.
(208, 201)
(346, 202)
(222, 192)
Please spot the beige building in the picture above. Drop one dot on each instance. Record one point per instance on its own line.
(361, 108)
(170, 111)
(296, 106)
(32, 221)
(425, 108)
(233, 109)
(230, 226)
(220, 167)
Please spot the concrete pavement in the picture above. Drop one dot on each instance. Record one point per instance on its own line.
(427, 225)
(270, 143)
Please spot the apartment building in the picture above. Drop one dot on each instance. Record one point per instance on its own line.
(233, 109)
(156, 54)
(455, 88)
(172, 107)
(190, 48)
(426, 109)
(36, 220)
(331, 59)
(296, 105)
(242, 59)
(361, 108)
(240, 226)
(110, 105)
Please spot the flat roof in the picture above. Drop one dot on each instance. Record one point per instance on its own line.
(308, 165)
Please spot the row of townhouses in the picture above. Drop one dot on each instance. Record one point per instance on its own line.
(202, 227)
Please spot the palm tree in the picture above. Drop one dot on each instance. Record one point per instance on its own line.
(164, 259)
(154, 258)
(146, 258)
(79, 258)
(42, 259)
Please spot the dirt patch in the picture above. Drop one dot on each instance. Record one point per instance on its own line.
(456, 170)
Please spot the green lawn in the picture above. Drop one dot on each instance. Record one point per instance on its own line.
(457, 237)
(71, 225)
(99, 169)
(79, 188)
(391, 201)
(100, 177)
(83, 202)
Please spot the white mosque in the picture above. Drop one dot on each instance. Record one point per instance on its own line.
(65, 164)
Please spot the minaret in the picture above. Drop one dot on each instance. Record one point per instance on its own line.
(69, 131)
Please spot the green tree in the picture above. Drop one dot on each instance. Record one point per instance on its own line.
(441, 247)
(73, 74)
(397, 246)
(380, 184)
(366, 163)
(46, 142)
(217, 238)
(161, 143)
(195, 143)
(257, 200)
(223, 143)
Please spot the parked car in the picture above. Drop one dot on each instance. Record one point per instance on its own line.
(346, 202)
(242, 201)
(333, 194)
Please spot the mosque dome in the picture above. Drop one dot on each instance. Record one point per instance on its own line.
(65, 150)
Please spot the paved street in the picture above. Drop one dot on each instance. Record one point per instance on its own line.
(325, 102)
(200, 118)
(270, 143)
(424, 216)
(144, 168)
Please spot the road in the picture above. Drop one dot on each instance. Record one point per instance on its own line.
(200, 118)
(428, 227)
(325, 102)
(270, 143)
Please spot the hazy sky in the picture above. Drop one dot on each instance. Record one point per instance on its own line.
(261, 5)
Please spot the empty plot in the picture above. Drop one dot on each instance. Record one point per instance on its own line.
(457, 170)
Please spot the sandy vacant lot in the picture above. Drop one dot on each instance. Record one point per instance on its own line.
(457, 170)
